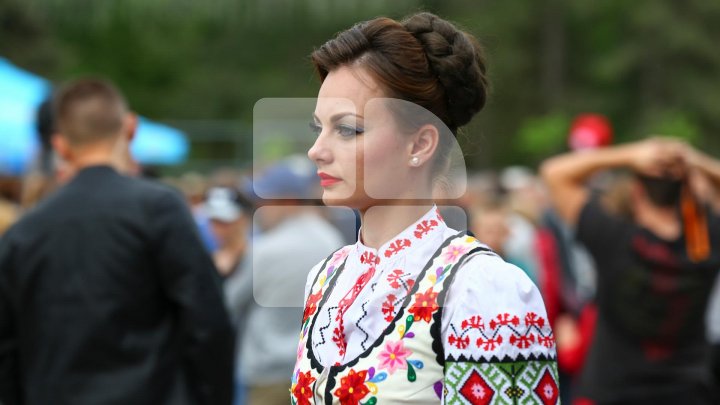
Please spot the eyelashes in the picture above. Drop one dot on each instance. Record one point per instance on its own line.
(343, 129)
(315, 128)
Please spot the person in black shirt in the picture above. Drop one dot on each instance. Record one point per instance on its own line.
(107, 295)
(655, 268)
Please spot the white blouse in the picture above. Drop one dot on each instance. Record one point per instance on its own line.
(486, 292)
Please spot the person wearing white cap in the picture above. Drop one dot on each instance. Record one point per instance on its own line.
(266, 295)
(229, 215)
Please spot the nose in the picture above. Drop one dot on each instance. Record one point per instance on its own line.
(319, 152)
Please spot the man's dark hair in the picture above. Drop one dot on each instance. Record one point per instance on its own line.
(89, 110)
(662, 191)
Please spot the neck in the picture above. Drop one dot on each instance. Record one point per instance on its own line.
(382, 223)
(115, 155)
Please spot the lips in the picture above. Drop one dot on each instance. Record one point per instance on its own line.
(327, 180)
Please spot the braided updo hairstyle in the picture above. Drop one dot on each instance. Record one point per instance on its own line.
(423, 59)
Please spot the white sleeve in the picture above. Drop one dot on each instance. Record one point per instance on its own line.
(499, 347)
(493, 309)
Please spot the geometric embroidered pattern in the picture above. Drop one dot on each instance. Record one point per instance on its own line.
(521, 382)
(547, 389)
(476, 391)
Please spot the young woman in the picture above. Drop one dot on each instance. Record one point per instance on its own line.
(414, 312)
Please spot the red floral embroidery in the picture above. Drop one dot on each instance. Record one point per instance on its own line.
(523, 342)
(395, 278)
(397, 246)
(302, 391)
(460, 343)
(519, 332)
(388, 307)
(437, 212)
(425, 305)
(311, 306)
(531, 319)
(339, 338)
(504, 320)
(369, 258)
(474, 322)
(489, 344)
(352, 388)
(547, 341)
(424, 227)
(350, 297)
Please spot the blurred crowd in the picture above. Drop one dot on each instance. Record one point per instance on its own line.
(242, 217)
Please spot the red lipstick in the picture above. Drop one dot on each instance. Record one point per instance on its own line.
(327, 180)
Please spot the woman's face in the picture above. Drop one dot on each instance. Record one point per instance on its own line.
(359, 151)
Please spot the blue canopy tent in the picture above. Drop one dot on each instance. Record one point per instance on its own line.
(22, 92)
(159, 144)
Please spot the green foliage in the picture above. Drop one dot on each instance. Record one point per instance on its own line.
(543, 136)
(676, 124)
(651, 66)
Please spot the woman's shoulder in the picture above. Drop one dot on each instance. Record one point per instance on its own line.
(485, 274)
(494, 309)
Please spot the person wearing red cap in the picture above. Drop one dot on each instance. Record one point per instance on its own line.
(590, 131)
(655, 270)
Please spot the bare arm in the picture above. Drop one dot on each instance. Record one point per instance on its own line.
(566, 175)
(705, 165)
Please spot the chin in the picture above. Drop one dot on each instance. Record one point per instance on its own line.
(336, 199)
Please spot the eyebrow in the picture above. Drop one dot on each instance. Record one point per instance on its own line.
(338, 116)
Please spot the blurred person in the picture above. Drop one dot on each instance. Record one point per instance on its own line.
(49, 170)
(415, 311)
(655, 271)
(41, 180)
(587, 131)
(268, 296)
(490, 225)
(536, 246)
(226, 177)
(106, 294)
(230, 214)
(525, 207)
(8, 215)
(194, 187)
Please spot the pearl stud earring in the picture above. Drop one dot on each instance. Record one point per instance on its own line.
(415, 161)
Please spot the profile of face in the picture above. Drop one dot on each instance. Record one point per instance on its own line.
(491, 228)
(360, 151)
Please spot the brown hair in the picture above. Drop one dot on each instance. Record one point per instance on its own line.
(89, 110)
(423, 59)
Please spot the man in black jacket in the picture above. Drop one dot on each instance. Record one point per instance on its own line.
(106, 293)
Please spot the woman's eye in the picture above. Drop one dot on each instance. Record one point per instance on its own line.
(315, 128)
(347, 130)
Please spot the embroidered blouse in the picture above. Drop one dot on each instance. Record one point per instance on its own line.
(472, 328)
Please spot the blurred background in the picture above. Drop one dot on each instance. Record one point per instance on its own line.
(565, 75)
(649, 66)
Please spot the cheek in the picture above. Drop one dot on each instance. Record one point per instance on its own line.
(382, 166)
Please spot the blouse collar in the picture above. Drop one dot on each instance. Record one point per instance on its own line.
(425, 228)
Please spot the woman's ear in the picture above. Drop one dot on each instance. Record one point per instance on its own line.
(424, 143)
